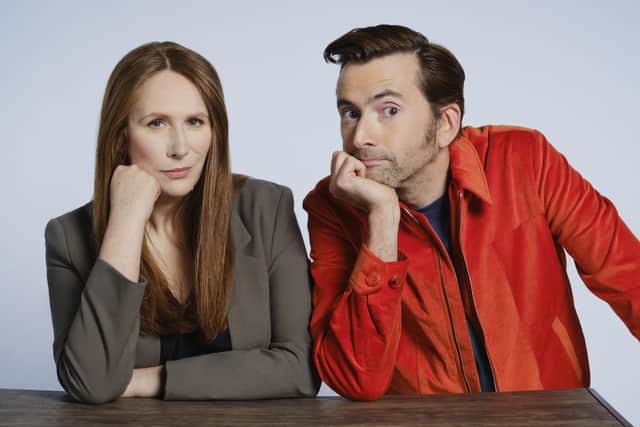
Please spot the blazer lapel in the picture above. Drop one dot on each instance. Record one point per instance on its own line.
(249, 296)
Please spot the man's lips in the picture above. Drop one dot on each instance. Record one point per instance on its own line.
(373, 162)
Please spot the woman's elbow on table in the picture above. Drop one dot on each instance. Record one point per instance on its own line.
(308, 381)
(90, 387)
(299, 372)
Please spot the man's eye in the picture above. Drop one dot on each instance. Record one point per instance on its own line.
(155, 123)
(349, 115)
(391, 111)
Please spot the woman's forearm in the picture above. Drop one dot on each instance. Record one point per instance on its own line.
(146, 382)
(122, 246)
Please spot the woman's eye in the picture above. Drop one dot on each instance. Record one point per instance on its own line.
(391, 111)
(155, 123)
(195, 122)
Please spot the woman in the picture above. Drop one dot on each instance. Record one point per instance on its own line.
(179, 280)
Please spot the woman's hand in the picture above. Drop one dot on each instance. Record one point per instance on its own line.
(133, 195)
(145, 382)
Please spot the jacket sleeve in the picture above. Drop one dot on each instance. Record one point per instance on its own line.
(95, 323)
(285, 368)
(356, 319)
(587, 225)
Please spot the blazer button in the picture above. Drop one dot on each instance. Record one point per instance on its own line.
(395, 281)
(373, 279)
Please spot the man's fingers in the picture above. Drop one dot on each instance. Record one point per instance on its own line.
(360, 168)
(347, 168)
(347, 178)
(348, 173)
(337, 159)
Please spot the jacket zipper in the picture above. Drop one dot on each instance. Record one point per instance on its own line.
(470, 290)
(455, 340)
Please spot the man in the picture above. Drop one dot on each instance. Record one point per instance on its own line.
(438, 252)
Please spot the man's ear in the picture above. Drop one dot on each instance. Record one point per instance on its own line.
(448, 124)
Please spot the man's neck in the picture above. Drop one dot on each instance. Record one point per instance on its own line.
(428, 185)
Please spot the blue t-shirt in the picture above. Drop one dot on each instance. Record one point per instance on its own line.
(439, 216)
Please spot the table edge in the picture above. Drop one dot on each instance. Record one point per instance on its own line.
(617, 415)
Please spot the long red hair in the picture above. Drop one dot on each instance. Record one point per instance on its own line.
(204, 214)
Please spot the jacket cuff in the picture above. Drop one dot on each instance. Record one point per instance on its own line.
(120, 292)
(370, 274)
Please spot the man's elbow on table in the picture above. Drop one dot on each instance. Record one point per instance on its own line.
(364, 388)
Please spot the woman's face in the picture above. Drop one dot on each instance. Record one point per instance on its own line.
(169, 133)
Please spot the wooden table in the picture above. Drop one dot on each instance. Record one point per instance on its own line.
(580, 407)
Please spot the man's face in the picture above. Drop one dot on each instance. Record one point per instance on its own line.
(386, 121)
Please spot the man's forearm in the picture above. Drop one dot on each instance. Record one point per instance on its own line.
(382, 239)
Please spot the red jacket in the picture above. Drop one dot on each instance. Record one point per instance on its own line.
(515, 203)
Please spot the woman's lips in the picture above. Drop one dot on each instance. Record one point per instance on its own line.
(177, 173)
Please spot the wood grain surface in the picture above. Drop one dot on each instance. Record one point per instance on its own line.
(580, 407)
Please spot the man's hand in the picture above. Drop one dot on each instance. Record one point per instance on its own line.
(349, 183)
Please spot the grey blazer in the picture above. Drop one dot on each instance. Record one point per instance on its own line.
(96, 311)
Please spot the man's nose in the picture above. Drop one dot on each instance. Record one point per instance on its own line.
(364, 133)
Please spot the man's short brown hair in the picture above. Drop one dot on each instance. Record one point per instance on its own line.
(442, 76)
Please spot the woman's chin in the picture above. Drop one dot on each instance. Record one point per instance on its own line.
(176, 191)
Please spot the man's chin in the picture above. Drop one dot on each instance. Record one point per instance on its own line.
(381, 178)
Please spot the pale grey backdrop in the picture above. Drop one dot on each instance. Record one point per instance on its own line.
(569, 69)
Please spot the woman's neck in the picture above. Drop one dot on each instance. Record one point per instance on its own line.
(163, 219)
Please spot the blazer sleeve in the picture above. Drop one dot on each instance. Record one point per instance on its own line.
(285, 368)
(95, 322)
(587, 225)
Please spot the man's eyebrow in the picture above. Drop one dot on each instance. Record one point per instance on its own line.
(383, 94)
(343, 102)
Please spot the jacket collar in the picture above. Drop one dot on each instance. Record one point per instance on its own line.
(467, 170)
